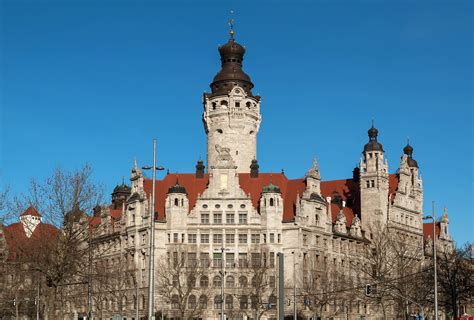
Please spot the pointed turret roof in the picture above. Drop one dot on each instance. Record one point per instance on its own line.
(373, 144)
(31, 211)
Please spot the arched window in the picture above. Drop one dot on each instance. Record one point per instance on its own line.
(271, 202)
(174, 302)
(254, 302)
(214, 105)
(204, 282)
(192, 302)
(176, 202)
(182, 202)
(191, 281)
(124, 303)
(217, 282)
(203, 302)
(243, 282)
(255, 282)
(229, 302)
(244, 302)
(224, 103)
(230, 282)
(217, 302)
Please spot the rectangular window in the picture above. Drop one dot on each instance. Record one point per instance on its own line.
(272, 259)
(272, 238)
(242, 238)
(243, 260)
(205, 218)
(230, 238)
(367, 184)
(169, 237)
(272, 282)
(255, 238)
(175, 259)
(192, 261)
(264, 238)
(204, 256)
(256, 260)
(217, 218)
(230, 260)
(175, 237)
(182, 237)
(279, 238)
(229, 218)
(372, 183)
(192, 238)
(242, 218)
(217, 238)
(305, 239)
(205, 238)
(217, 259)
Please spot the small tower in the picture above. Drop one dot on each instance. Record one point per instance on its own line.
(176, 206)
(120, 195)
(416, 189)
(271, 206)
(373, 181)
(137, 180)
(410, 189)
(231, 112)
(313, 181)
(444, 226)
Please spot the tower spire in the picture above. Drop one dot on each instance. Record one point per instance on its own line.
(231, 25)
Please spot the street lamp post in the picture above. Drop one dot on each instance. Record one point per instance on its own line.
(433, 217)
(151, 262)
(294, 286)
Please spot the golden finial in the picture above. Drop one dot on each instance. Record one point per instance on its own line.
(231, 25)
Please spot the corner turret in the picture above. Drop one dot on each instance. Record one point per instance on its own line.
(373, 182)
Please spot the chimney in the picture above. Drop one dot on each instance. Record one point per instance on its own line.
(254, 169)
(200, 169)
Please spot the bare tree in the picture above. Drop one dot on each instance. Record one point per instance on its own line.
(393, 265)
(63, 199)
(455, 277)
(322, 284)
(176, 282)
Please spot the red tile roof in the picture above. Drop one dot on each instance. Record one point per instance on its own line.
(428, 230)
(347, 189)
(193, 187)
(19, 244)
(31, 211)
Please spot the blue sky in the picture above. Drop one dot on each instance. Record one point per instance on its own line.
(95, 81)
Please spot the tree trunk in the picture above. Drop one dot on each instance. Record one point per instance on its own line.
(454, 303)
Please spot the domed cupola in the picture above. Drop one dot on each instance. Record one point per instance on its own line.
(408, 150)
(120, 194)
(373, 144)
(177, 188)
(271, 188)
(231, 73)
